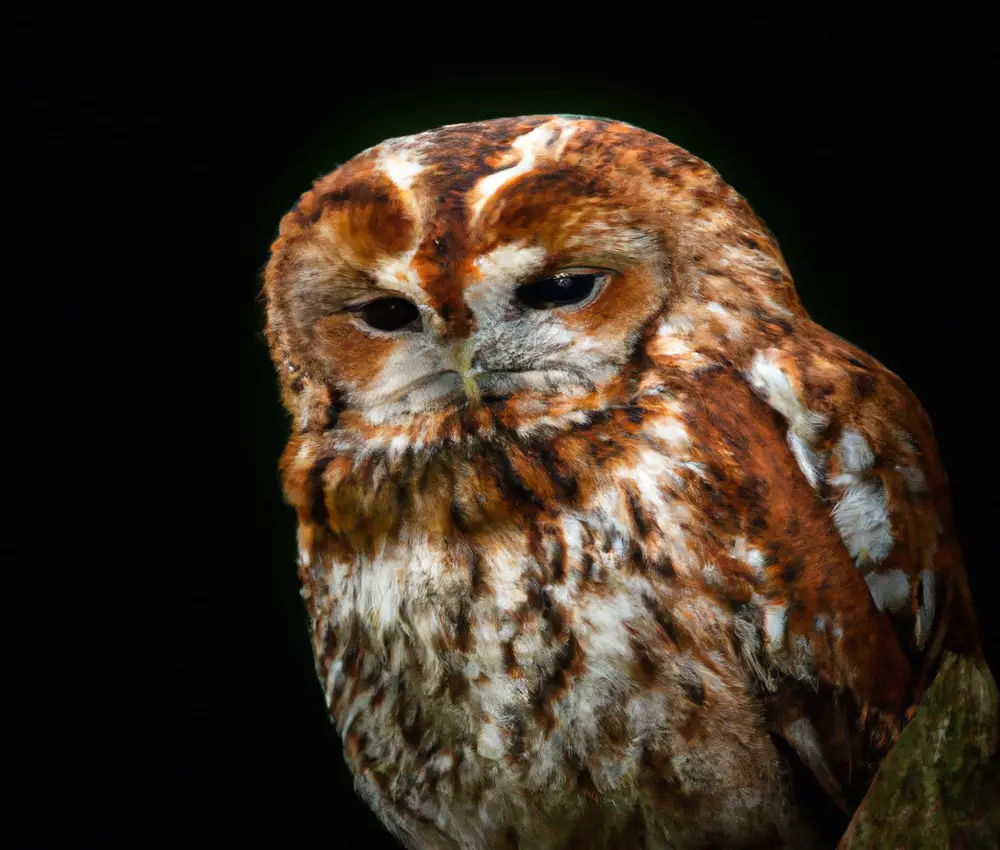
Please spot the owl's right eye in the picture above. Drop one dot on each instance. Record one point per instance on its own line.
(391, 314)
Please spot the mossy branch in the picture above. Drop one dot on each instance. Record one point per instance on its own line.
(939, 787)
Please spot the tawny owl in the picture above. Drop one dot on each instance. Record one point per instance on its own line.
(598, 531)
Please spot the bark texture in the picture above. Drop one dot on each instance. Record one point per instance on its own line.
(939, 787)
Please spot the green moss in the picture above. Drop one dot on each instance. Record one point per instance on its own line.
(939, 787)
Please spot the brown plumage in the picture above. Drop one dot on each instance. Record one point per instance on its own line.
(598, 531)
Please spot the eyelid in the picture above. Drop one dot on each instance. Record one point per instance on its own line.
(572, 271)
(355, 306)
(603, 275)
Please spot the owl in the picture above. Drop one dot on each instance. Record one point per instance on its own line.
(602, 540)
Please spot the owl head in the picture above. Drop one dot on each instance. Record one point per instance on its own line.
(516, 270)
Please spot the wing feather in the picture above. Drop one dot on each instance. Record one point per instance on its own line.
(823, 465)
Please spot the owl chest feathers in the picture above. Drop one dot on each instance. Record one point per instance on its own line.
(567, 653)
(518, 626)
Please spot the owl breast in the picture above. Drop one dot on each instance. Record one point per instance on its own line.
(547, 665)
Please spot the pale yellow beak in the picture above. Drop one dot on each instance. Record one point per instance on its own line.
(466, 351)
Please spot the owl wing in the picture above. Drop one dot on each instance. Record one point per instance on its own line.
(829, 527)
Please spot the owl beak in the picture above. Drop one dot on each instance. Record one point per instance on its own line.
(466, 351)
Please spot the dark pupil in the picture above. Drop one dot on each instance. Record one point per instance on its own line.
(557, 291)
(389, 314)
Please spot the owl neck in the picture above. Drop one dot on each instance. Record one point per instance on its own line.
(461, 473)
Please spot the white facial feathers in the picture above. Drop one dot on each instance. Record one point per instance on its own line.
(513, 262)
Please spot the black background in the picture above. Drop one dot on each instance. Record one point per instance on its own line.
(162, 660)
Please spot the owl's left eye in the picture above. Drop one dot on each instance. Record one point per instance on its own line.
(390, 314)
(558, 291)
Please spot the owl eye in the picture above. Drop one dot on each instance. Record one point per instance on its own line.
(390, 314)
(558, 291)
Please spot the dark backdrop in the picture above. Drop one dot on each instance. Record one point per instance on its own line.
(170, 691)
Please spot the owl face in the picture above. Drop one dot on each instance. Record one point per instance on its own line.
(510, 263)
